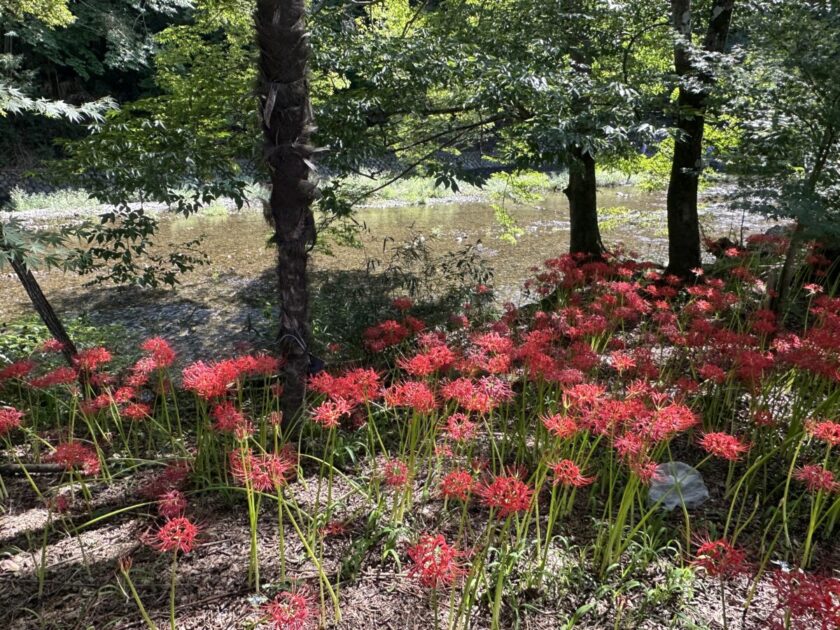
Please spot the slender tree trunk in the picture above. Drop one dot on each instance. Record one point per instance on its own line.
(581, 192)
(683, 223)
(45, 310)
(42, 306)
(287, 125)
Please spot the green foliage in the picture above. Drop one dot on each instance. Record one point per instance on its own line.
(22, 337)
(51, 13)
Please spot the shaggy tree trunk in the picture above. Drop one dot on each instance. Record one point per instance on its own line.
(287, 125)
(683, 224)
(585, 236)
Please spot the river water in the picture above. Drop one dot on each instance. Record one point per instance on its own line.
(223, 298)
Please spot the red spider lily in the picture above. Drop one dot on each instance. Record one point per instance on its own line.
(402, 303)
(414, 324)
(355, 386)
(825, 431)
(567, 473)
(384, 335)
(172, 477)
(432, 360)
(411, 394)
(177, 534)
(720, 559)
(644, 469)
(816, 478)
(136, 411)
(328, 414)
(160, 350)
(506, 494)
(809, 601)
(123, 395)
(712, 372)
(481, 396)
(10, 419)
(493, 342)
(669, 421)
(60, 376)
(394, 473)
(92, 358)
(51, 345)
(560, 425)
(622, 362)
(460, 428)
(264, 472)
(290, 611)
(435, 561)
(172, 504)
(204, 380)
(458, 484)
(17, 370)
(228, 419)
(333, 529)
(75, 455)
(723, 445)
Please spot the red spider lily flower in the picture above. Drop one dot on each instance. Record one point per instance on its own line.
(172, 477)
(333, 529)
(51, 345)
(807, 601)
(458, 484)
(411, 394)
(10, 419)
(76, 455)
(763, 418)
(177, 534)
(622, 361)
(89, 360)
(355, 386)
(493, 342)
(394, 473)
(644, 469)
(290, 611)
(481, 396)
(228, 419)
(567, 473)
(124, 394)
(816, 478)
(432, 360)
(402, 303)
(460, 428)
(384, 335)
(172, 504)
(825, 430)
(813, 289)
(435, 561)
(720, 559)
(506, 494)
(670, 420)
(16, 370)
(136, 411)
(414, 324)
(160, 350)
(264, 472)
(723, 445)
(459, 321)
(275, 418)
(328, 414)
(712, 372)
(560, 425)
(60, 376)
(201, 379)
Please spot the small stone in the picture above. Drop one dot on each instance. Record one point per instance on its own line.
(675, 484)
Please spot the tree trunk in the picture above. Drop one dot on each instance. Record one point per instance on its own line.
(287, 125)
(585, 236)
(683, 224)
(45, 309)
(42, 305)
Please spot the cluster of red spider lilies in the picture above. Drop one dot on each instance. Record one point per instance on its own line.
(508, 424)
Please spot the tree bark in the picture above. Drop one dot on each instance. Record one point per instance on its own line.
(683, 223)
(45, 310)
(42, 306)
(287, 123)
(581, 192)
